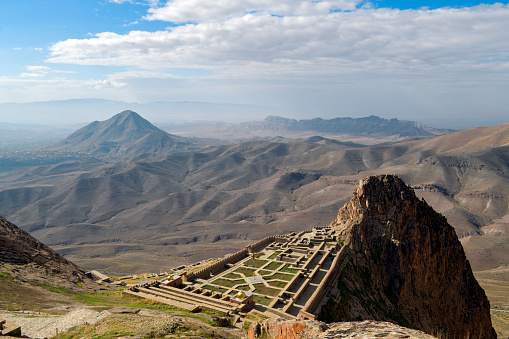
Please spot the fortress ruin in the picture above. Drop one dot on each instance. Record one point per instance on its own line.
(289, 276)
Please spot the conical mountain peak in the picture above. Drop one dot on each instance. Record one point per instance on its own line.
(124, 134)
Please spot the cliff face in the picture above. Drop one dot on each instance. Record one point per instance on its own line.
(406, 265)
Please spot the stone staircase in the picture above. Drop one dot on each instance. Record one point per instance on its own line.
(9, 329)
(185, 299)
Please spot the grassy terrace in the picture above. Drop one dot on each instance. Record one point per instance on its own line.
(264, 272)
(262, 289)
(214, 288)
(231, 276)
(257, 263)
(278, 284)
(274, 255)
(227, 283)
(279, 276)
(289, 270)
(273, 266)
(262, 300)
(248, 272)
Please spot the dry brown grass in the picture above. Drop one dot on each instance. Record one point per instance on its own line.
(495, 283)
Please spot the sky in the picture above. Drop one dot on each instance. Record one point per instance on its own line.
(444, 63)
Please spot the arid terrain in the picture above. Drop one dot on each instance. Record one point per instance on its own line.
(150, 213)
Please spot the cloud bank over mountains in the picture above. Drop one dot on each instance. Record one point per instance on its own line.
(302, 38)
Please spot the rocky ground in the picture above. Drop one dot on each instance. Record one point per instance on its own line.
(307, 329)
(116, 322)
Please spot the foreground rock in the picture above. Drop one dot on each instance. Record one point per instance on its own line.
(304, 329)
(406, 265)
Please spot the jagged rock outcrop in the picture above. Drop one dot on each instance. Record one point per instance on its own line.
(310, 329)
(26, 258)
(406, 265)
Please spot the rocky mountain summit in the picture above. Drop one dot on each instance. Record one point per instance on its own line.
(25, 258)
(406, 265)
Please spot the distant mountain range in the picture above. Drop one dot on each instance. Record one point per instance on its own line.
(126, 134)
(368, 130)
(372, 125)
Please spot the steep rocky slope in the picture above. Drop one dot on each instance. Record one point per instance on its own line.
(25, 258)
(406, 265)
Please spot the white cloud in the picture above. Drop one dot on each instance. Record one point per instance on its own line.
(38, 68)
(151, 3)
(41, 71)
(32, 75)
(218, 10)
(380, 41)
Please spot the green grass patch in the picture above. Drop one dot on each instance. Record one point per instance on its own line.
(279, 284)
(214, 288)
(257, 263)
(287, 268)
(248, 272)
(280, 276)
(227, 283)
(231, 275)
(274, 255)
(246, 325)
(264, 272)
(273, 266)
(262, 289)
(244, 288)
(6, 276)
(61, 290)
(262, 300)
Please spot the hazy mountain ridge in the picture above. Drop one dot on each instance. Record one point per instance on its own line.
(371, 125)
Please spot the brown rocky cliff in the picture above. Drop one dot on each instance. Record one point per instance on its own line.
(26, 258)
(406, 265)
